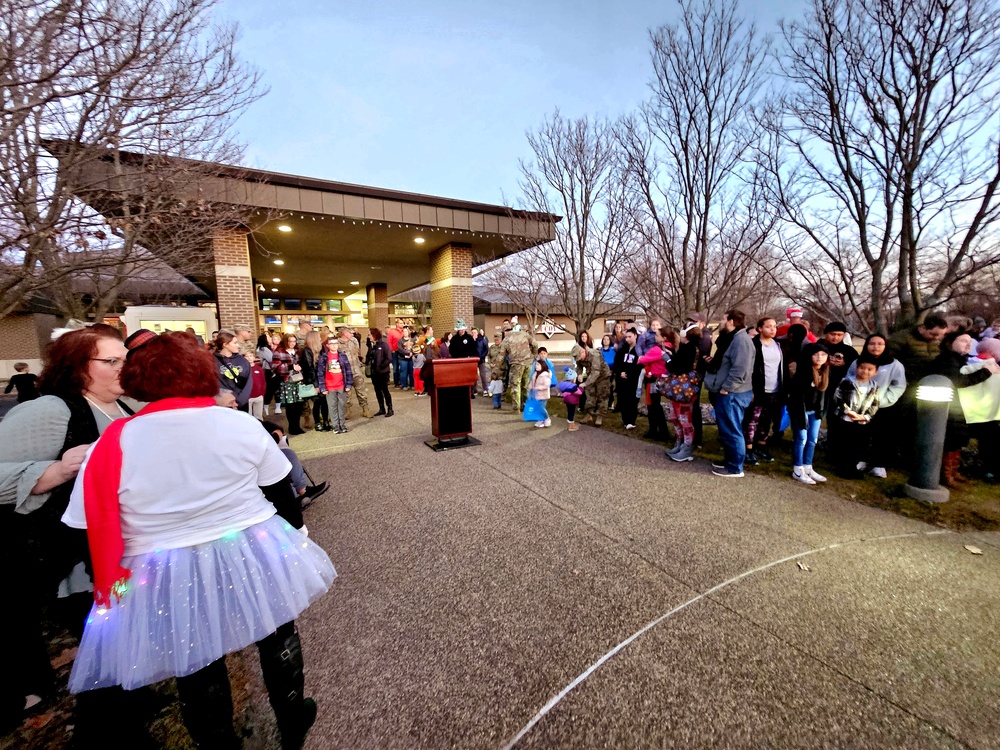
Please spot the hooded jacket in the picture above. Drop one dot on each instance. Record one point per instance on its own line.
(735, 372)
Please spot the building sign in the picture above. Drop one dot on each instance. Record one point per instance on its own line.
(549, 329)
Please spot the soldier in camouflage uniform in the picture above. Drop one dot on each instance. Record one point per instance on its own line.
(349, 345)
(495, 358)
(597, 386)
(520, 349)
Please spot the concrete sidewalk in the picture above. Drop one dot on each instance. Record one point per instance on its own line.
(477, 585)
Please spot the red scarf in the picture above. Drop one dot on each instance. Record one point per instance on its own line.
(101, 481)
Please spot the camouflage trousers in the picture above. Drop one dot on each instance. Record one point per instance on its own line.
(597, 396)
(359, 392)
(517, 387)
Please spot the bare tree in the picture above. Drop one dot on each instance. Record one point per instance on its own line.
(686, 150)
(125, 105)
(520, 281)
(577, 173)
(883, 158)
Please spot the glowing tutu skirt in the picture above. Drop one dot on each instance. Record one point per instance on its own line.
(185, 608)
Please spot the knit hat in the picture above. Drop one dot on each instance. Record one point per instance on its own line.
(793, 312)
(569, 373)
(835, 327)
(460, 325)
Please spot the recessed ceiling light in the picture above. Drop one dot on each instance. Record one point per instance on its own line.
(355, 283)
(279, 262)
(419, 240)
(284, 228)
(376, 268)
(274, 289)
(340, 291)
(275, 280)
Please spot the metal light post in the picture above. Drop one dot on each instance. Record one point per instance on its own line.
(934, 395)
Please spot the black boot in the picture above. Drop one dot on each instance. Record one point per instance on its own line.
(207, 707)
(390, 412)
(281, 663)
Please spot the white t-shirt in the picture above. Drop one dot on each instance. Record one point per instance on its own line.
(189, 476)
(772, 364)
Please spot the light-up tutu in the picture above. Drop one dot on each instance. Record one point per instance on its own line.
(184, 608)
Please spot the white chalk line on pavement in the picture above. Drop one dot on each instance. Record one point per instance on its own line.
(597, 664)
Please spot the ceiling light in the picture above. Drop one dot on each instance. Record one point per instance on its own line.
(355, 283)
(274, 289)
(279, 262)
(284, 228)
(275, 280)
(376, 268)
(340, 291)
(419, 240)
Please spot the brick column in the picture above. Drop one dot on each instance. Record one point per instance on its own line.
(378, 307)
(235, 295)
(451, 287)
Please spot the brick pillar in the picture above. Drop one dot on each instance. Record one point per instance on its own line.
(451, 287)
(235, 295)
(378, 307)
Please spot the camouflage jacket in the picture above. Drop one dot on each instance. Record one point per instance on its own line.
(519, 348)
(495, 358)
(353, 350)
(595, 366)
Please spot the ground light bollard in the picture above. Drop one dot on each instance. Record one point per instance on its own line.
(934, 396)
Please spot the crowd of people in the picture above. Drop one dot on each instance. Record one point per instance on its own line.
(761, 378)
(91, 509)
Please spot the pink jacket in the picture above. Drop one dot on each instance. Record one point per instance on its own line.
(653, 359)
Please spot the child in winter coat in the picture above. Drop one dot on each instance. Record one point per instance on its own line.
(336, 380)
(540, 386)
(418, 363)
(496, 390)
(854, 405)
(571, 392)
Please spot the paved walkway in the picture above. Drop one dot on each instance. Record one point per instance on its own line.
(577, 590)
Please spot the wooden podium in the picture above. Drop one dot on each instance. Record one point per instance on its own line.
(451, 402)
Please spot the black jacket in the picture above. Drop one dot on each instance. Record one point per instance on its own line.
(758, 370)
(803, 395)
(463, 345)
(627, 361)
(685, 359)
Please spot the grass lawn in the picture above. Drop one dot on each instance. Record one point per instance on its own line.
(975, 506)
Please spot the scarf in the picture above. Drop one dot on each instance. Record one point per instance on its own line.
(101, 481)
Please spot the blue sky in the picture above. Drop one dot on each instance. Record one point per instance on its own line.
(435, 96)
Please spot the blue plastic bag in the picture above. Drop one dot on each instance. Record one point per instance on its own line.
(785, 420)
(534, 411)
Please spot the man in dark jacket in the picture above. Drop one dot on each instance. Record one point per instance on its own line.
(626, 373)
(462, 344)
(483, 349)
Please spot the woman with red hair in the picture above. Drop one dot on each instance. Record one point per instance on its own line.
(190, 560)
(42, 444)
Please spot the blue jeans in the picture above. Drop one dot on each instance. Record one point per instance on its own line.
(406, 372)
(395, 369)
(805, 439)
(729, 411)
(496, 400)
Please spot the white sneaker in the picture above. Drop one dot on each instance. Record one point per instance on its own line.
(540, 424)
(486, 393)
(879, 472)
(861, 466)
(799, 475)
(266, 410)
(547, 422)
(813, 474)
(630, 427)
(277, 408)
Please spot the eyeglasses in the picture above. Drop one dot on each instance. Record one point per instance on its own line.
(113, 362)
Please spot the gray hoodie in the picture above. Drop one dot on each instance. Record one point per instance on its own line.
(735, 375)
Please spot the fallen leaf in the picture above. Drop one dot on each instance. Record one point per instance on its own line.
(37, 722)
(973, 550)
(803, 566)
(64, 658)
